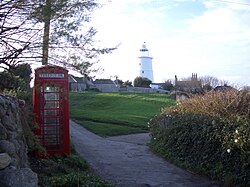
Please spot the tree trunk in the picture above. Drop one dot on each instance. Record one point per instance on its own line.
(47, 14)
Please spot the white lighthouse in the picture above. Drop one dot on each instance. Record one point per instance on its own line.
(145, 63)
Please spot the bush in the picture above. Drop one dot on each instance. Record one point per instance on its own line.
(208, 134)
(142, 82)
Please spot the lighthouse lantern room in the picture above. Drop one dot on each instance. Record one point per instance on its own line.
(145, 63)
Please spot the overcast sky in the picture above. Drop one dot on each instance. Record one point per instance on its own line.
(207, 37)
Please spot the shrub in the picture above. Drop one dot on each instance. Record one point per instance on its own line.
(208, 134)
(221, 104)
(142, 82)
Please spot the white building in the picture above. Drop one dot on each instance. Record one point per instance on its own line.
(145, 63)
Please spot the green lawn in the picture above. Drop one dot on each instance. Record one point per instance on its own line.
(110, 114)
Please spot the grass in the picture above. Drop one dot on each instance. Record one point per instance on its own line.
(107, 129)
(109, 114)
(68, 171)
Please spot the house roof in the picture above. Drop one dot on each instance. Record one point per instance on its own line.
(223, 88)
(103, 81)
(160, 84)
(77, 79)
(192, 83)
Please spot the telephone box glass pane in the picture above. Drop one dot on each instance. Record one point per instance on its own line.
(51, 116)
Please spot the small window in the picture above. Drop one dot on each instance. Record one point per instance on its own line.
(142, 71)
(139, 64)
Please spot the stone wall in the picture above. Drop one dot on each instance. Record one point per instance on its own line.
(107, 87)
(14, 165)
(145, 90)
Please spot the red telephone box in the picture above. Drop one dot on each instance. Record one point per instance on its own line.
(51, 108)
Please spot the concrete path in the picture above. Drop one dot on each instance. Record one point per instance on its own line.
(126, 161)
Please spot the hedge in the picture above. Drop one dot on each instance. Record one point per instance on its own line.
(209, 134)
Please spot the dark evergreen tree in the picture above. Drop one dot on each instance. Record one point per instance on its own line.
(142, 82)
(127, 84)
(23, 71)
(167, 85)
(66, 40)
(17, 78)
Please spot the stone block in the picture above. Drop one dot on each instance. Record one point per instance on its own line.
(11, 135)
(3, 107)
(4, 160)
(7, 147)
(11, 177)
(21, 151)
(9, 124)
(14, 165)
(3, 132)
(13, 107)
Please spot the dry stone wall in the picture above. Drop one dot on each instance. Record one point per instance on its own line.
(14, 165)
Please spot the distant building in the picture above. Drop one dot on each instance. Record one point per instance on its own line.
(82, 83)
(193, 85)
(106, 85)
(145, 63)
(224, 88)
(156, 85)
(79, 83)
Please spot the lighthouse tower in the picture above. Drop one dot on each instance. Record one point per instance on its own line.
(145, 63)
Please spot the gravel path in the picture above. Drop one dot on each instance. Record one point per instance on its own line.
(126, 161)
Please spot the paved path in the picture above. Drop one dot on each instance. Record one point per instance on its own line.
(126, 161)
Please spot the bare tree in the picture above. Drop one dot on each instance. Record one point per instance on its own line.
(16, 34)
(212, 81)
(51, 31)
(246, 88)
(209, 81)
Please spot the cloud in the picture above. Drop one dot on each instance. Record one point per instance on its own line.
(225, 37)
(232, 4)
(213, 41)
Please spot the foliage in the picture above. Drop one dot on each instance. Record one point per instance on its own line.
(16, 82)
(118, 81)
(67, 171)
(207, 87)
(219, 104)
(23, 71)
(167, 85)
(15, 38)
(77, 179)
(8, 81)
(70, 42)
(208, 134)
(56, 27)
(127, 84)
(210, 82)
(29, 126)
(142, 82)
(246, 88)
(118, 112)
